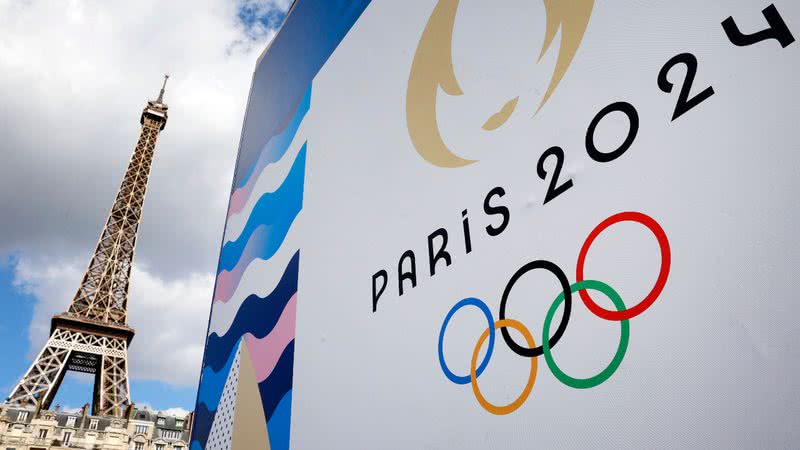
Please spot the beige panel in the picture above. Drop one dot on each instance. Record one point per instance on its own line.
(249, 422)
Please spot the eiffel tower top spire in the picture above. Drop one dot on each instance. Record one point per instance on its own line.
(163, 86)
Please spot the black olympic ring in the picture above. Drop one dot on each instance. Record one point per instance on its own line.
(562, 327)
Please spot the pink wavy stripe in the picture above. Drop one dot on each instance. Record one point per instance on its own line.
(266, 352)
(227, 281)
(240, 196)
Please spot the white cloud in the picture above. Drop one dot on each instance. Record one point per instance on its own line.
(74, 76)
(175, 412)
(171, 318)
(266, 9)
(73, 79)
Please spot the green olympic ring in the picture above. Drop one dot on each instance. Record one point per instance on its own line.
(584, 383)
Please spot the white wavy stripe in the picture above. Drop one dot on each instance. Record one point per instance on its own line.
(260, 278)
(269, 180)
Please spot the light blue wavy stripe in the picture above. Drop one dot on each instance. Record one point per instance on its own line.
(279, 425)
(214, 382)
(277, 210)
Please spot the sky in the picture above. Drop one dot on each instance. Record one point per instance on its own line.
(74, 77)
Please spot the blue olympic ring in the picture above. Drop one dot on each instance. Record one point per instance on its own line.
(486, 312)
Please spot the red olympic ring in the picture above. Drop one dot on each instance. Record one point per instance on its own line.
(663, 243)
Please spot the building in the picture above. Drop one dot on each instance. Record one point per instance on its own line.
(24, 428)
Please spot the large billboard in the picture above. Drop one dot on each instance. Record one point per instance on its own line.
(470, 224)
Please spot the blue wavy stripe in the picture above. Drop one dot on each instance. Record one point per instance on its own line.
(203, 419)
(257, 316)
(278, 383)
(277, 210)
(278, 144)
(213, 381)
(279, 425)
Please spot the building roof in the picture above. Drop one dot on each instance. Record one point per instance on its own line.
(62, 418)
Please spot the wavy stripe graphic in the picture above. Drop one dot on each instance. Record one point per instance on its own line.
(203, 418)
(214, 381)
(278, 383)
(227, 281)
(257, 316)
(278, 427)
(258, 279)
(273, 214)
(267, 351)
(272, 151)
(278, 103)
(286, 70)
(269, 180)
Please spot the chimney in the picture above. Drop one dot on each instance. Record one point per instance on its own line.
(130, 410)
(84, 411)
(190, 422)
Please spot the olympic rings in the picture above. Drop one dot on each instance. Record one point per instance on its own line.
(511, 407)
(663, 273)
(583, 383)
(562, 279)
(622, 315)
(486, 312)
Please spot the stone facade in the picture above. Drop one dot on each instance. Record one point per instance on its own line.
(25, 429)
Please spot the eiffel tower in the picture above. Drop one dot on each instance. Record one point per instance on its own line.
(93, 335)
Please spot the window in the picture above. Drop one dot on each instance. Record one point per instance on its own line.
(42, 433)
(93, 424)
(161, 421)
(71, 421)
(178, 447)
(22, 416)
(141, 429)
(67, 438)
(160, 446)
(138, 446)
(179, 423)
(170, 434)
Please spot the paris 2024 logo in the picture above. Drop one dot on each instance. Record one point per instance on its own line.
(432, 67)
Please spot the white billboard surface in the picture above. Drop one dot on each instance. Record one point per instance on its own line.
(514, 224)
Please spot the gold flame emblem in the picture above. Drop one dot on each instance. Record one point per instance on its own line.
(432, 67)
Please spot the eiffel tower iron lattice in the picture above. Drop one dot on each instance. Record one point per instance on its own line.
(93, 335)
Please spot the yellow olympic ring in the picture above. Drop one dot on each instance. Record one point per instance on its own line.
(511, 407)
